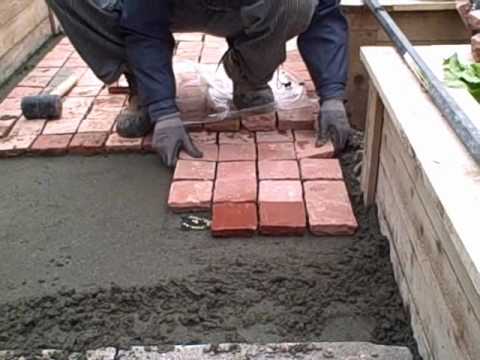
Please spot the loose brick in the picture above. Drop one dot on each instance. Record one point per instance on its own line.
(236, 182)
(278, 170)
(51, 144)
(234, 220)
(274, 137)
(236, 138)
(230, 152)
(308, 150)
(329, 208)
(189, 196)
(296, 119)
(14, 145)
(224, 125)
(321, 169)
(210, 152)
(282, 210)
(194, 170)
(116, 143)
(261, 122)
(276, 151)
(88, 143)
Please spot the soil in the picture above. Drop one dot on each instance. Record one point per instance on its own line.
(203, 290)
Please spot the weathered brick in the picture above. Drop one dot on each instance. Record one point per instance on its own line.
(278, 170)
(51, 144)
(89, 79)
(305, 135)
(230, 152)
(14, 145)
(329, 208)
(194, 170)
(236, 182)
(192, 104)
(281, 208)
(321, 169)
(308, 150)
(210, 152)
(236, 138)
(10, 108)
(189, 196)
(116, 143)
(35, 81)
(25, 127)
(276, 151)
(224, 125)
(85, 91)
(99, 120)
(22, 91)
(234, 220)
(74, 110)
(205, 137)
(261, 122)
(274, 136)
(110, 101)
(88, 143)
(296, 119)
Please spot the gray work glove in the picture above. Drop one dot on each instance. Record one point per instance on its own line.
(334, 125)
(170, 137)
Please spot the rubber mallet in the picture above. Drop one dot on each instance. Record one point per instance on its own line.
(48, 106)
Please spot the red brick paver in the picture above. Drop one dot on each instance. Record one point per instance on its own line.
(308, 150)
(51, 144)
(236, 138)
(262, 122)
(329, 208)
(274, 136)
(321, 169)
(236, 182)
(282, 210)
(116, 143)
(239, 220)
(15, 145)
(276, 151)
(237, 152)
(278, 170)
(88, 143)
(194, 170)
(189, 196)
(296, 119)
(210, 152)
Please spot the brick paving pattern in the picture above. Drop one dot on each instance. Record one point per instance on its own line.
(260, 173)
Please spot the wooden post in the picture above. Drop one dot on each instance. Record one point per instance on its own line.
(373, 141)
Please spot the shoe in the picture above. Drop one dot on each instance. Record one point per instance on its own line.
(254, 100)
(133, 122)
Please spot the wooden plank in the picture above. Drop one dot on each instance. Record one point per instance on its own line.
(12, 60)
(373, 140)
(403, 286)
(10, 9)
(407, 5)
(21, 25)
(427, 243)
(448, 179)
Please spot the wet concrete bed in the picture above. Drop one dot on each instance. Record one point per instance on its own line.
(90, 257)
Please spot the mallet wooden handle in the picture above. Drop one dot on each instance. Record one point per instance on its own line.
(65, 86)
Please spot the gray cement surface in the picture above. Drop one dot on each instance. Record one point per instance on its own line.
(90, 257)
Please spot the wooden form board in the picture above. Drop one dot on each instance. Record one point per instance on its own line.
(421, 24)
(24, 26)
(427, 188)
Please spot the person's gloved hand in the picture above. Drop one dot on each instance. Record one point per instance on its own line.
(334, 125)
(170, 137)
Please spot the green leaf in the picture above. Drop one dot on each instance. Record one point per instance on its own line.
(458, 75)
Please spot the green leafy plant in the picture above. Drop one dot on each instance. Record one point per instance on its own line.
(461, 75)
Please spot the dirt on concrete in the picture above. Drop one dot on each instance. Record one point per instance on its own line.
(181, 288)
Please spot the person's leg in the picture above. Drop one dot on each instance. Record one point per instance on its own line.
(92, 27)
(324, 48)
(257, 52)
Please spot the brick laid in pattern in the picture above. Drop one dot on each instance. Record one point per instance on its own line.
(189, 196)
(278, 170)
(88, 143)
(296, 119)
(321, 169)
(329, 208)
(274, 136)
(231, 152)
(51, 144)
(236, 182)
(210, 153)
(262, 122)
(236, 138)
(308, 150)
(116, 143)
(239, 220)
(194, 170)
(16, 145)
(281, 208)
(276, 151)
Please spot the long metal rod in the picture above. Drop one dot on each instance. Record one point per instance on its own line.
(461, 124)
